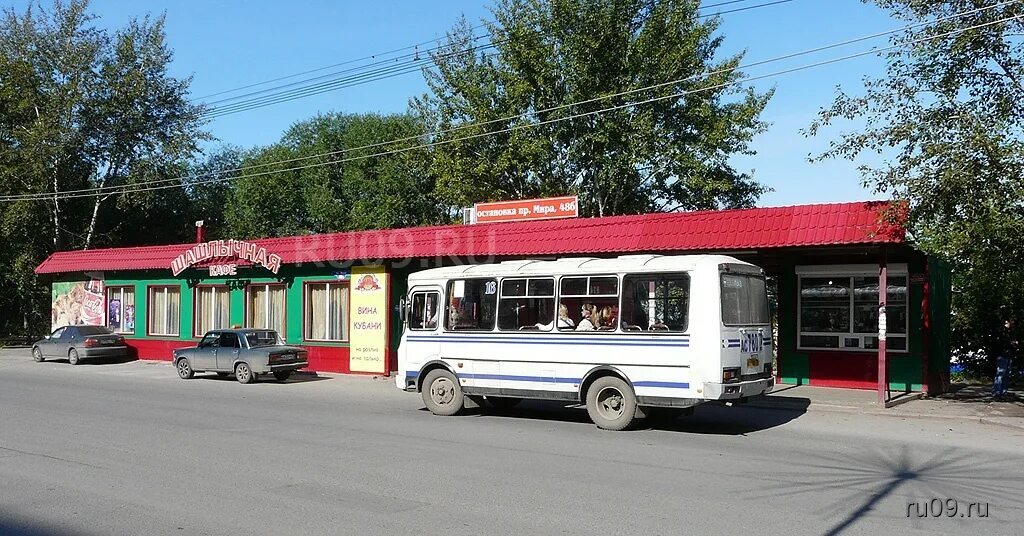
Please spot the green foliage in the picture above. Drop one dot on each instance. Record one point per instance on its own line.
(82, 109)
(948, 117)
(667, 154)
(349, 189)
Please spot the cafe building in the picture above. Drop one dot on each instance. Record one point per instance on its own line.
(337, 294)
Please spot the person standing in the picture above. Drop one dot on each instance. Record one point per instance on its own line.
(1009, 352)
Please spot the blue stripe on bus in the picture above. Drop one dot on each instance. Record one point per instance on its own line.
(669, 385)
(547, 379)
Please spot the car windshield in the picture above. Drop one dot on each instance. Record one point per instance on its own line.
(93, 330)
(267, 337)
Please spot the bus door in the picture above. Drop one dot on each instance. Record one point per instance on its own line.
(422, 339)
(746, 337)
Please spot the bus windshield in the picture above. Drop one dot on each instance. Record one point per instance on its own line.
(744, 300)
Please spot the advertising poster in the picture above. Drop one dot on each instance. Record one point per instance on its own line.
(369, 339)
(77, 303)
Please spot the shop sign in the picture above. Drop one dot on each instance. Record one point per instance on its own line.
(221, 249)
(369, 339)
(529, 209)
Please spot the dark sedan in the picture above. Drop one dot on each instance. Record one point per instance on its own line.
(76, 343)
(246, 353)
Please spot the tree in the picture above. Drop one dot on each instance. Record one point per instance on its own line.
(290, 188)
(514, 138)
(948, 118)
(107, 112)
(82, 109)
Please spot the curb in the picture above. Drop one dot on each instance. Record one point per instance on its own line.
(1016, 423)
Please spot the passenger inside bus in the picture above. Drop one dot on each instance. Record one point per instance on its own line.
(590, 319)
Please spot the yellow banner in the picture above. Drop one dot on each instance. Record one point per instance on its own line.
(369, 340)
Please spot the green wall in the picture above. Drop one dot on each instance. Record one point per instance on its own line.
(906, 370)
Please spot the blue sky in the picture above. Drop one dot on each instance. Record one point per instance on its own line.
(226, 44)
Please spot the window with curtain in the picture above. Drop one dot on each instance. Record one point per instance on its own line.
(164, 311)
(326, 316)
(212, 309)
(266, 308)
(841, 312)
(121, 309)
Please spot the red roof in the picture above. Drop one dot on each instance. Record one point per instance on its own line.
(716, 230)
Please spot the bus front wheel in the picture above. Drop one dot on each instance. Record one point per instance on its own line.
(611, 403)
(442, 393)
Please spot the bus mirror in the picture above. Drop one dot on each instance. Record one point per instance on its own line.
(403, 309)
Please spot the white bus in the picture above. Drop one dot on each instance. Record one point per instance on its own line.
(627, 336)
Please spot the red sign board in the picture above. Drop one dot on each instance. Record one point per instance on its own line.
(225, 249)
(527, 209)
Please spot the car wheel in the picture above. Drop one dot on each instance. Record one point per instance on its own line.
(37, 354)
(611, 403)
(73, 356)
(442, 393)
(185, 369)
(244, 374)
(282, 375)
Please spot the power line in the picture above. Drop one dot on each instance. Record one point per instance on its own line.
(414, 46)
(398, 69)
(141, 187)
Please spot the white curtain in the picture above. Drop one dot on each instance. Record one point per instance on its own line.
(327, 312)
(213, 309)
(316, 314)
(164, 310)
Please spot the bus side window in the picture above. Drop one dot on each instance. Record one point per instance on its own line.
(656, 302)
(425, 311)
(591, 303)
(526, 304)
(472, 305)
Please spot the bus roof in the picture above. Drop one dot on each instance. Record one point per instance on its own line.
(576, 265)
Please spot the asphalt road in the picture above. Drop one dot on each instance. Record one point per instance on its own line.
(129, 448)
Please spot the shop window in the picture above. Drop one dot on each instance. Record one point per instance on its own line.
(212, 309)
(426, 308)
(121, 309)
(527, 305)
(326, 317)
(655, 302)
(164, 311)
(472, 304)
(266, 307)
(841, 312)
(590, 303)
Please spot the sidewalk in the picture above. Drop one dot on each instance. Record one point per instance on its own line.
(971, 403)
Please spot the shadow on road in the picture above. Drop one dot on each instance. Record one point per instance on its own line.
(107, 360)
(13, 526)
(296, 377)
(711, 418)
(891, 483)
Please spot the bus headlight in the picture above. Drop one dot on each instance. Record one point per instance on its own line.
(730, 374)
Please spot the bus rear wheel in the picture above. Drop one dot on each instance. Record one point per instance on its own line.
(611, 403)
(442, 393)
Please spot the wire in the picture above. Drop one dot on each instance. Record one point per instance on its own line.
(139, 187)
(102, 190)
(389, 72)
(374, 56)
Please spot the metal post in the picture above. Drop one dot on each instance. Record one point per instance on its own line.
(883, 369)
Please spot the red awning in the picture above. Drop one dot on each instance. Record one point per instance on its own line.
(719, 230)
